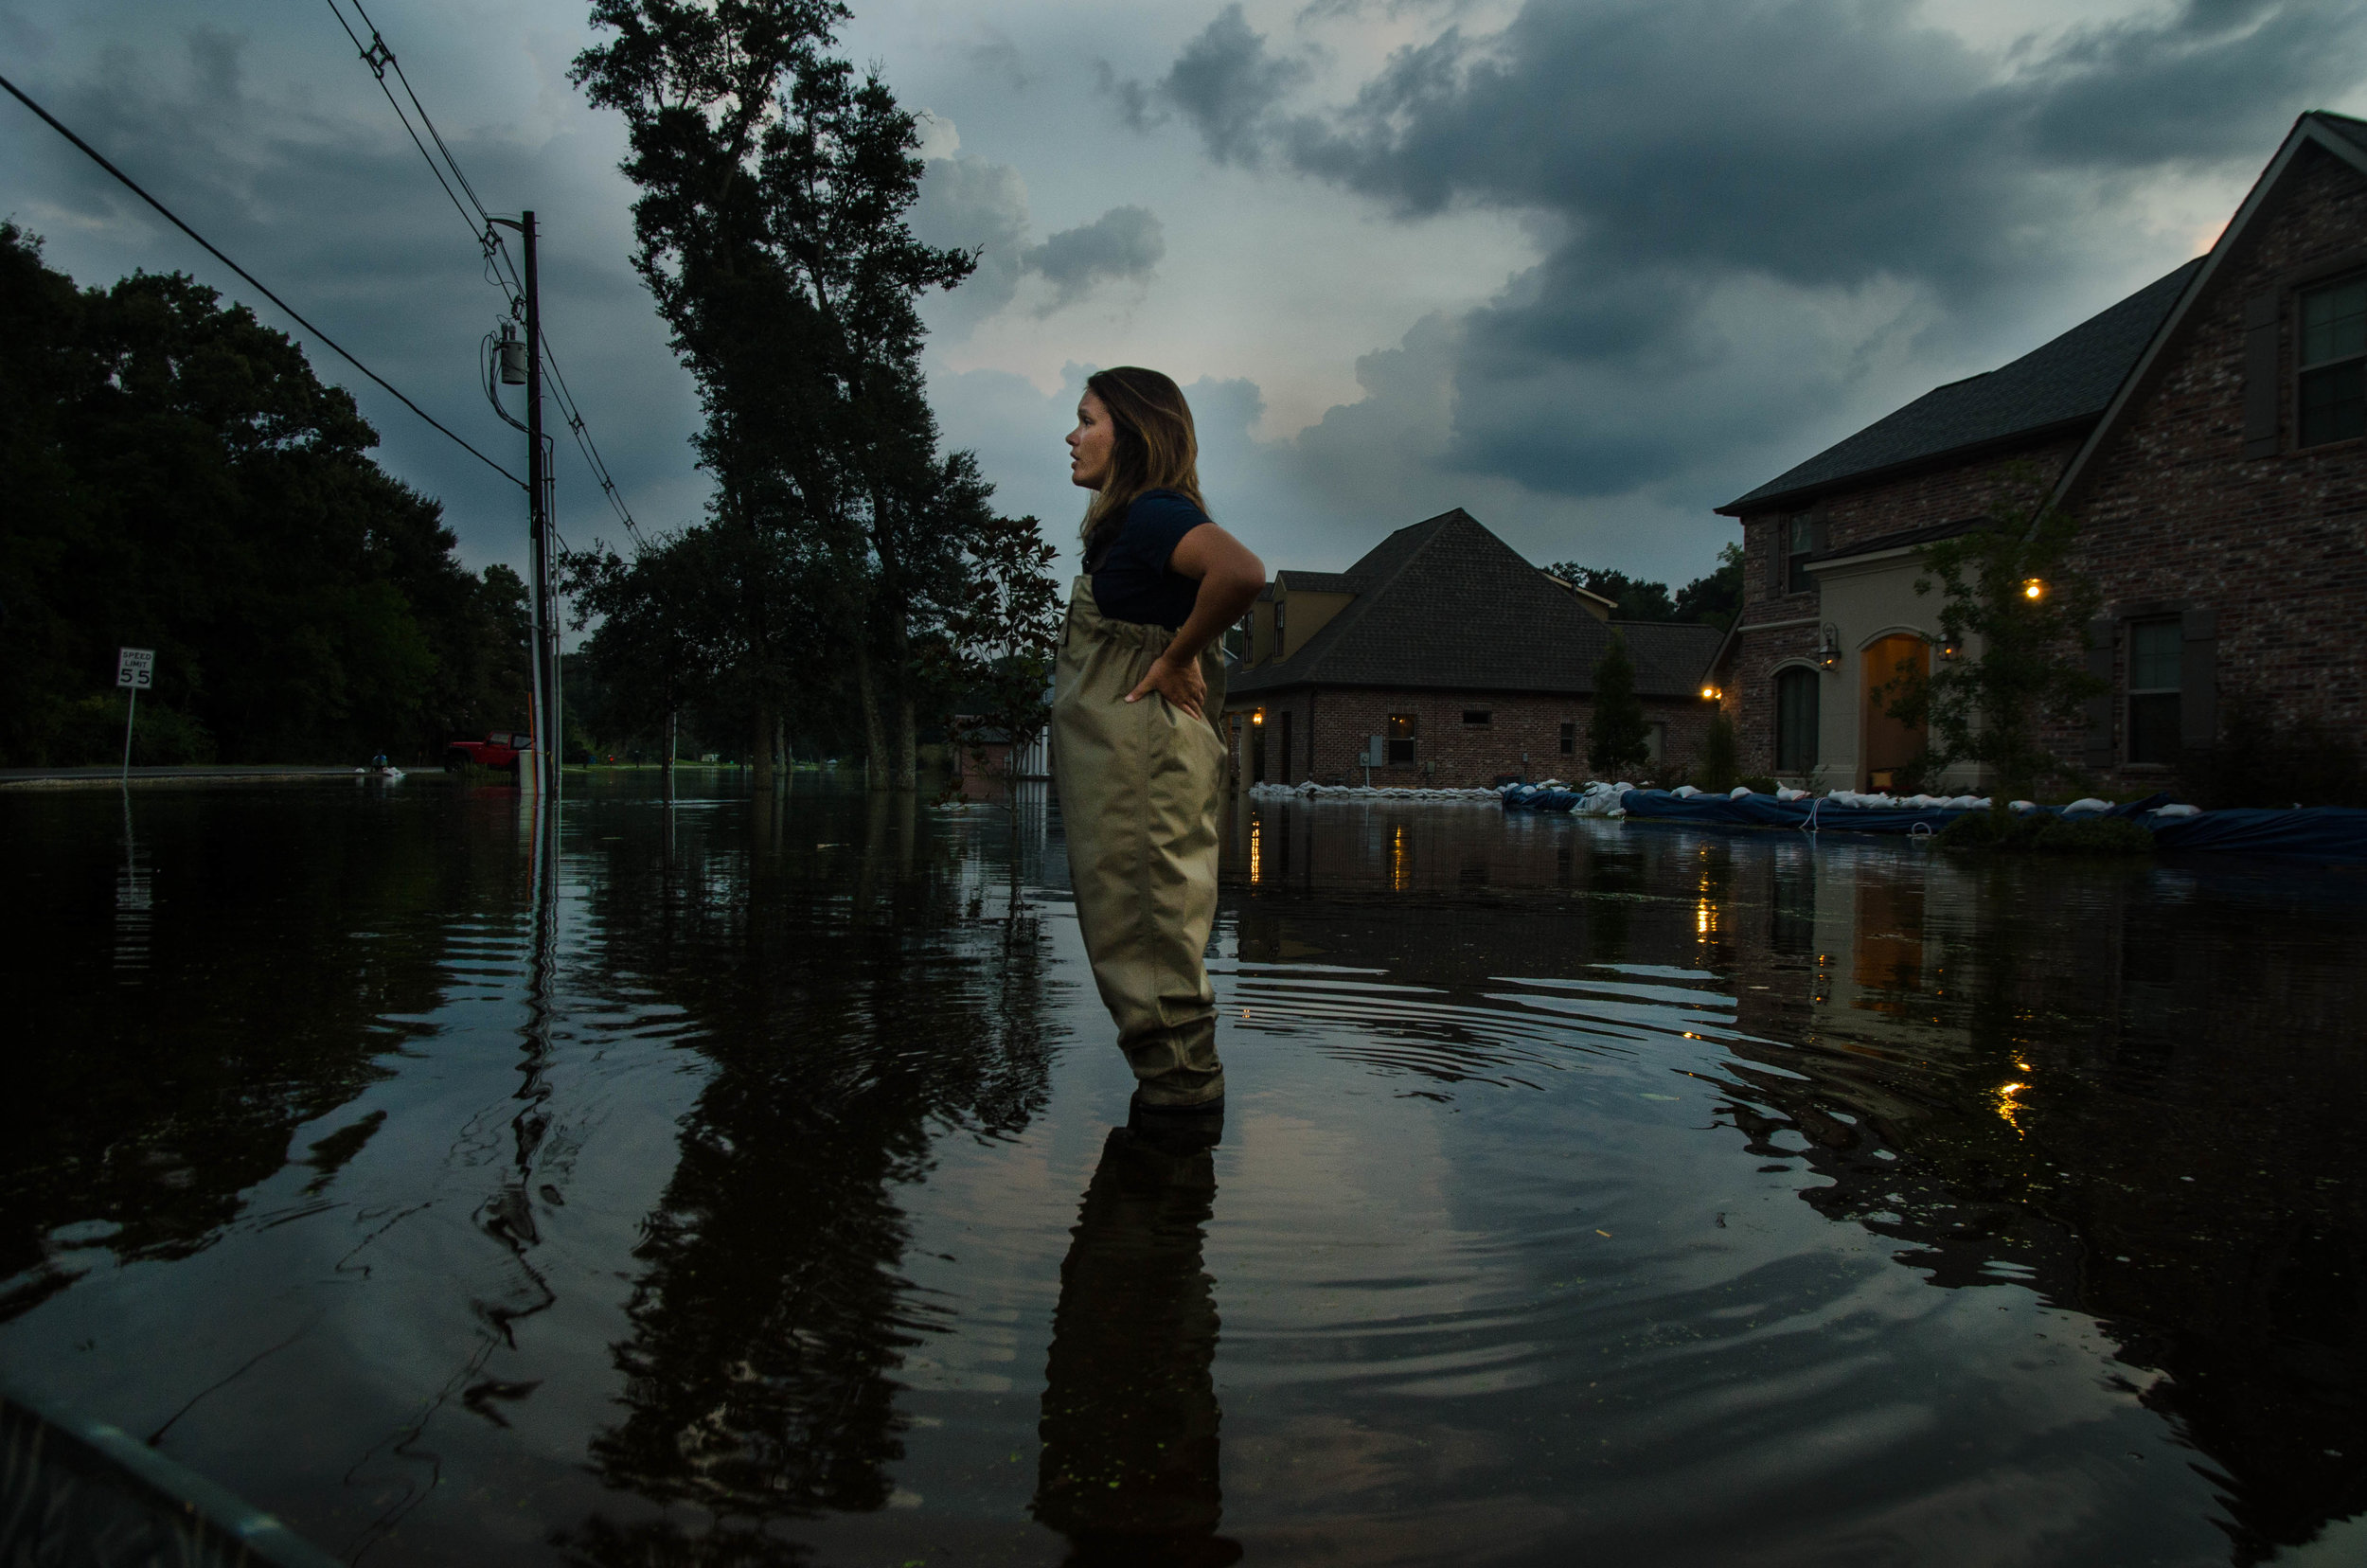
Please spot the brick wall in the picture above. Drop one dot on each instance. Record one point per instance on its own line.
(1339, 723)
(1914, 501)
(1851, 517)
(2172, 513)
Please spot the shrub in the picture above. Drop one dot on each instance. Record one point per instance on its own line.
(2258, 762)
(2094, 836)
(1617, 736)
(2000, 830)
(1720, 760)
(1755, 783)
(161, 736)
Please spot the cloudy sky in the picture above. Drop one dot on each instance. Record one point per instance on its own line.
(1586, 268)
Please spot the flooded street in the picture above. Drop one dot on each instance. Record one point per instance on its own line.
(749, 1183)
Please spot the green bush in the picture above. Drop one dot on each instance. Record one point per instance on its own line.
(2043, 832)
(1720, 760)
(2094, 836)
(1755, 783)
(161, 736)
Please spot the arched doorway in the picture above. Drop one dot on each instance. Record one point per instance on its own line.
(1889, 746)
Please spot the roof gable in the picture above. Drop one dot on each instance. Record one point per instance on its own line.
(2338, 135)
(2055, 385)
(1447, 604)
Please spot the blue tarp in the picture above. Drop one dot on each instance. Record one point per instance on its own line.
(2322, 832)
(2319, 832)
(1528, 797)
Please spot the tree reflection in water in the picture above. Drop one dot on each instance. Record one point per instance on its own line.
(770, 1318)
(1128, 1468)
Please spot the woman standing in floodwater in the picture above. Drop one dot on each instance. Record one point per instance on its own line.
(1136, 751)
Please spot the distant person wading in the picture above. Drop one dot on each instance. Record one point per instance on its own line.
(1135, 755)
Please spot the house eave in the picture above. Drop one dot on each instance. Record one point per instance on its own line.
(1791, 500)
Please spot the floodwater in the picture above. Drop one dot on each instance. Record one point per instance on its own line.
(749, 1183)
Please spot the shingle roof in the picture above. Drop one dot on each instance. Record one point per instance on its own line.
(1670, 656)
(2353, 130)
(1320, 582)
(2060, 383)
(1446, 604)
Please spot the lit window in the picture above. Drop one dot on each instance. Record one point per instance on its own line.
(1401, 736)
(2156, 649)
(2334, 362)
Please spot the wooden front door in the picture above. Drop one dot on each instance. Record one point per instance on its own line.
(1889, 746)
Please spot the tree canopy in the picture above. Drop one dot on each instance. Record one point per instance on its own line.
(770, 227)
(181, 480)
(1709, 600)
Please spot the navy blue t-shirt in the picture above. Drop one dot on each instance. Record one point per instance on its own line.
(1130, 578)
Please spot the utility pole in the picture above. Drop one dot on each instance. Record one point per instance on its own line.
(547, 720)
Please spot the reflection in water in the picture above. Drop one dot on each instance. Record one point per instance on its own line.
(1594, 1192)
(770, 1315)
(2132, 1092)
(1129, 1466)
(135, 898)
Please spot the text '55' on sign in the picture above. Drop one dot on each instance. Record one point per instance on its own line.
(135, 668)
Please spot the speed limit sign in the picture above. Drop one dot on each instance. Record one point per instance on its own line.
(135, 668)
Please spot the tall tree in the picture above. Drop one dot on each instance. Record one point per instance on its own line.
(1616, 734)
(178, 478)
(1006, 634)
(1717, 598)
(771, 234)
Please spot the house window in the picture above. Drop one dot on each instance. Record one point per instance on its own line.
(1569, 739)
(2156, 649)
(1286, 746)
(1800, 543)
(2334, 362)
(1795, 720)
(1476, 716)
(1281, 644)
(1401, 733)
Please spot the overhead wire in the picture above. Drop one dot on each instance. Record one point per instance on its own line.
(211, 249)
(379, 56)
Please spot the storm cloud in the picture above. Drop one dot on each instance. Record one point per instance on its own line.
(982, 206)
(1767, 192)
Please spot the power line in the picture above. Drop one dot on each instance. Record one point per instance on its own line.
(379, 56)
(566, 401)
(58, 126)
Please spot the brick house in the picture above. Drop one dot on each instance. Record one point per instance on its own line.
(2206, 431)
(1466, 661)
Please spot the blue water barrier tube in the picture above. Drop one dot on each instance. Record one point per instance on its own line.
(2318, 832)
(88, 1494)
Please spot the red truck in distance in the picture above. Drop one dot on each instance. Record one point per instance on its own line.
(499, 750)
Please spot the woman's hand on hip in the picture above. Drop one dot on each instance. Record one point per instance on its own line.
(1180, 684)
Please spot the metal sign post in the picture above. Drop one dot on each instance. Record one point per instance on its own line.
(136, 671)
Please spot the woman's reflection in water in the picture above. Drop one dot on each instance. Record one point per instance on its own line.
(1129, 1471)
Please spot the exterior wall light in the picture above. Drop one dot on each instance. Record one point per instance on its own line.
(1710, 694)
(1828, 648)
(2032, 588)
(1259, 717)
(1949, 652)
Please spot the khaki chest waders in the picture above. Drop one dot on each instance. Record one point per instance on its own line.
(1141, 785)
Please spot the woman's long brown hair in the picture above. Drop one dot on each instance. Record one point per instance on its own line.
(1153, 446)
